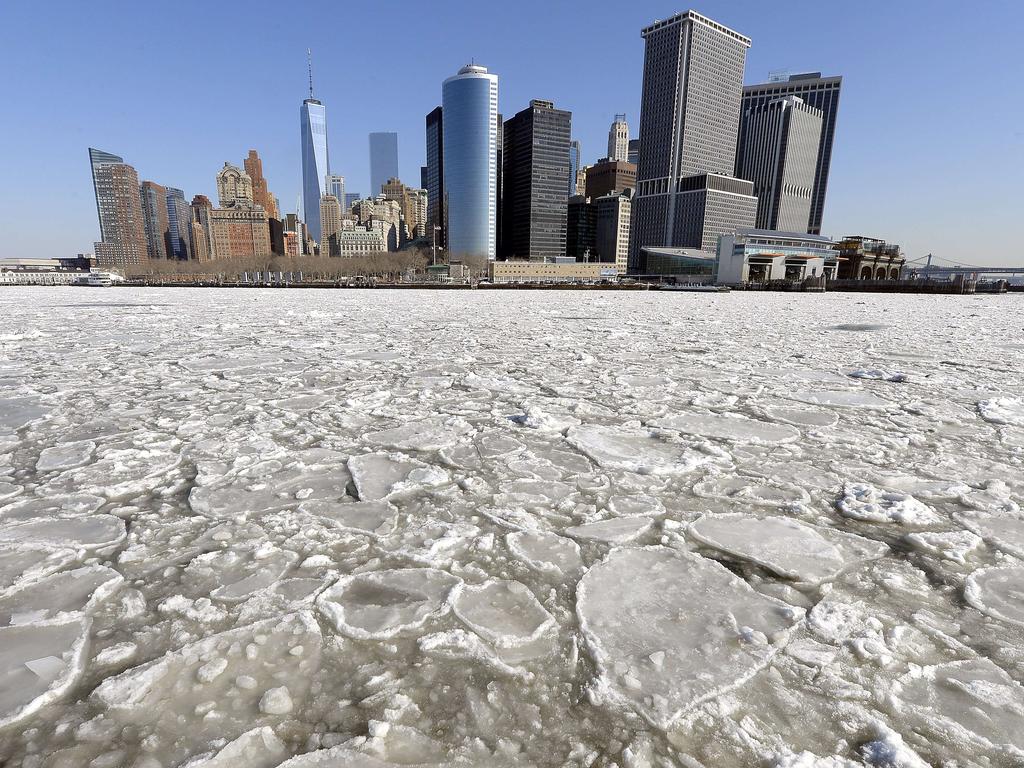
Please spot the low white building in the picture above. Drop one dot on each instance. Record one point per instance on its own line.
(43, 271)
(764, 255)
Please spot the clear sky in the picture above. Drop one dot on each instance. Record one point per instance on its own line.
(929, 149)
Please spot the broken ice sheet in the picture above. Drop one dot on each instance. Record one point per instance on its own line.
(662, 649)
(862, 501)
(790, 548)
(634, 450)
(731, 427)
(998, 592)
(383, 475)
(67, 592)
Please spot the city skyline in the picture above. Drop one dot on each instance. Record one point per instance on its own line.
(884, 179)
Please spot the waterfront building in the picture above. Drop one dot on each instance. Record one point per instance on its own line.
(330, 216)
(383, 160)
(239, 227)
(868, 258)
(689, 265)
(179, 225)
(315, 164)
(434, 182)
(154, 214)
(608, 176)
(618, 140)
(535, 165)
(261, 194)
(751, 255)
(575, 163)
(779, 152)
(408, 199)
(200, 242)
(580, 229)
(690, 109)
(611, 228)
(470, 138)
(818, 92)
(532, 271)
(122, 241)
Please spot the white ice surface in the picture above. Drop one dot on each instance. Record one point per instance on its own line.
(510, 528)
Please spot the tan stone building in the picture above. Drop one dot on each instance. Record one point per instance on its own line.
(330, 218)
(523, 271)
(239, 228)
(200, 244)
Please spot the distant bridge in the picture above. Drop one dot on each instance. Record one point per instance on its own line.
(930, 270)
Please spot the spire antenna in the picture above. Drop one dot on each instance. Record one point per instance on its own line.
(309, 61)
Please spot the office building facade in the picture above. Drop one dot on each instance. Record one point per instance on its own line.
(383, 160)
(618, 139)
(179, 225)
(611, 228)
(154, 213)
(470, 137)
(778, 154)
(535, 166)
(607, 176)
(315, 163)
(818, 92)
(261, 194)
(709, 205)
(690, 109)
(122, 241)
(434, 182)
(580, 229)
(335, 185)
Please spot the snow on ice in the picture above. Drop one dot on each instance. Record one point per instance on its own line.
(301, 529)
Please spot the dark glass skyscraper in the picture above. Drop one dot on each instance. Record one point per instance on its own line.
(434, 183)
(535, 167)
(179, 220)
(819, 92)
(383, 160)
(574, 166)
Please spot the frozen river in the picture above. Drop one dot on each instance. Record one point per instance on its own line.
(494, 528)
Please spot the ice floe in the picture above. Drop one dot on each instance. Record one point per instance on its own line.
(998, 592)
(862, 501)
(661, 648)
(733, 428)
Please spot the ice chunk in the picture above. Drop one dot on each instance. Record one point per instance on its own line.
(634, 450)
(380, 604)
(615, 530)
(382, 475)
(30, 562)
(88, 533)
(168, 690)
(65, 456)
(17, 412)
(373, 517)
(505, 613)
(38, 664)
(842, 399)
(713, 629)
(750, 490)
(276, 701)
(787, 547)
(862, 501)
(731, 427)
(998, 592)
(546, 552)
(953, 545)
(1003, 532)
(65, 592)
(256, 748)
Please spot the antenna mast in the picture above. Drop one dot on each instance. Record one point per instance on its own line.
(309, 61)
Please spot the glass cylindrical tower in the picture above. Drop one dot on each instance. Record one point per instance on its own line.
(470, 129)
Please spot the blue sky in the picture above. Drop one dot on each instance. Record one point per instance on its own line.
(929, 149)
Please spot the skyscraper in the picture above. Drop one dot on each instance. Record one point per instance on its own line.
(470, 137)
(779, 153)
(119, 209)
(821, 93)
(535, 166)
(690, 108)
(330, 221)
(618, 139)
(383, 160)
(336, 186)
(154, 214)
(315, 164)
(633, 154)
(434, 183)
(261, 194)
(607, 176)
(179, 221)
(575, 163)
